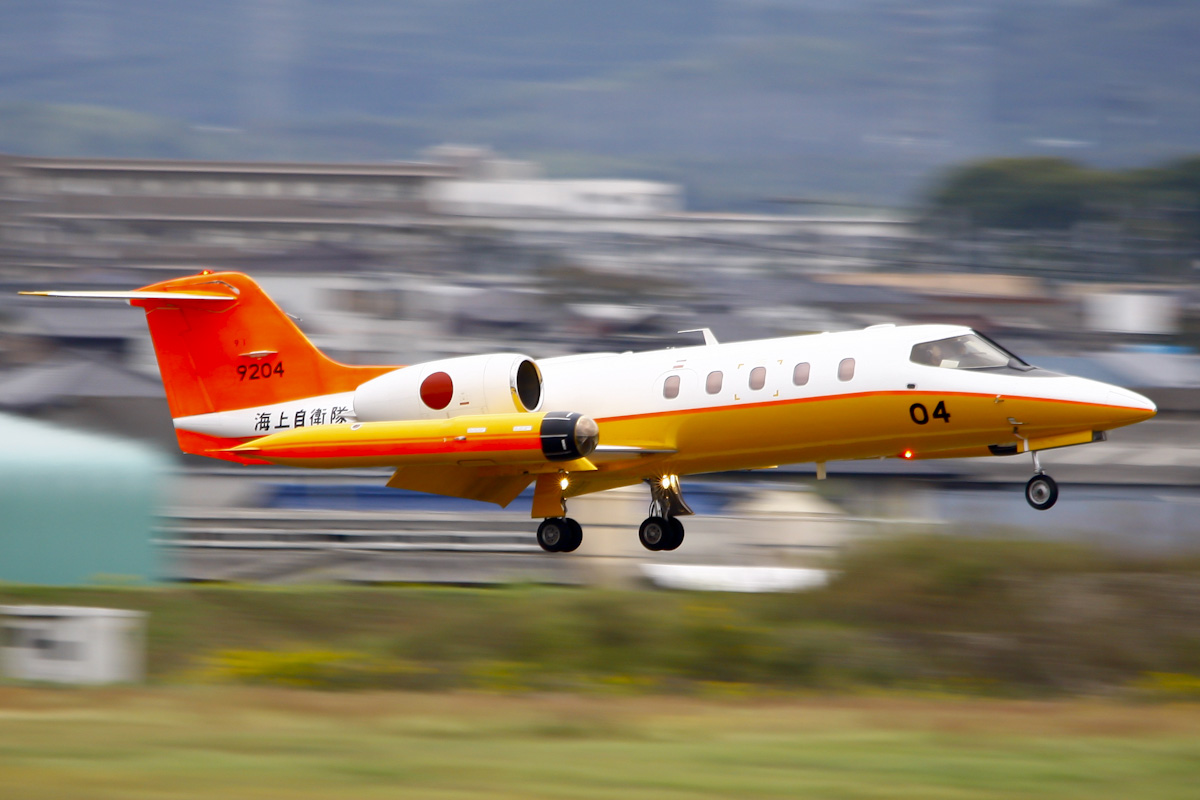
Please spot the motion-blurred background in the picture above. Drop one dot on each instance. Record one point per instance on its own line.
(446, 177)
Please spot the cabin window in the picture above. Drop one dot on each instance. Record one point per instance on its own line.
(713, 384)
(846, 369)
(671, 387)
(758, 378)
(800, 373)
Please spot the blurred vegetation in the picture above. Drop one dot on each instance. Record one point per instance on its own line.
(1053, 193)
(1020, 193)
(940, 613)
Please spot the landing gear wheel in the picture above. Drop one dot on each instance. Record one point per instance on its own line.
(560, 535)
(655, 533)
(676, 537)
(552, 533)
(574, 536)
(1041, 492)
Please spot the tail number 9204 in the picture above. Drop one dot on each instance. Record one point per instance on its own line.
(920, 414)
(260, 371)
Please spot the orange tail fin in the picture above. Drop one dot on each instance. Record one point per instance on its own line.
(223, 344)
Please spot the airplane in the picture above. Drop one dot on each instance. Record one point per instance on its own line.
(244, 384)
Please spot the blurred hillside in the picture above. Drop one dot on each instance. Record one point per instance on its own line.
(740, 101)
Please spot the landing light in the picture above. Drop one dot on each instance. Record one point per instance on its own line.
(564, 482)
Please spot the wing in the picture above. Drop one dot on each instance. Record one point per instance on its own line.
(466, 482)
(608, 467)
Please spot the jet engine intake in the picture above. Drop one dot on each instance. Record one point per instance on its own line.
(568, 435)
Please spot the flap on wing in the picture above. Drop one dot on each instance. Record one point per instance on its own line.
(465, 482)
(607, 454)
(591, 482)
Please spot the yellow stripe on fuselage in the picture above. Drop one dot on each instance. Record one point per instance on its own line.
(851, 426)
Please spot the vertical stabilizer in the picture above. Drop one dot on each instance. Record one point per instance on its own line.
(223, 344)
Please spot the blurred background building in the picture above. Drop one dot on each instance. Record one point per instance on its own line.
(758, 168)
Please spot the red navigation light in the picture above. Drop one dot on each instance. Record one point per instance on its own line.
(907, 454)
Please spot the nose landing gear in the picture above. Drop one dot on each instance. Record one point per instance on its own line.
(662, 530)
(558, 533)
(1042, 491)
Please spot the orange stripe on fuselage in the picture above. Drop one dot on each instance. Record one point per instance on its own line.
(372, 448)
(201, 444)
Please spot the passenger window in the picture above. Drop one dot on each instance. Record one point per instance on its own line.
(671, 387)
(758, 378)
(713, 384)
(800, 373)
(846, 369)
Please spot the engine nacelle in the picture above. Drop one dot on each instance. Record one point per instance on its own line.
(499, 383)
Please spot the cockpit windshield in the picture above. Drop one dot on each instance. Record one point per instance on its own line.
(970, 351)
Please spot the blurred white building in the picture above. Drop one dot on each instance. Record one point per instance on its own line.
(484, 185)
(554, 198)
(70, 644)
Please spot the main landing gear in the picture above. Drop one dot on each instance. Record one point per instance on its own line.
(661, 533)
(1042, 490)
(662, 530)
(560, 535)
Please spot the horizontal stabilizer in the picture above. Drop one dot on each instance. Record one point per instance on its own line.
(136, 295)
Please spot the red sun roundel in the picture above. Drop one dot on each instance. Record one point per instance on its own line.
(437, 391)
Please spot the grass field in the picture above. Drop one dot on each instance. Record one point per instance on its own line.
(931, 668)
(240, 742)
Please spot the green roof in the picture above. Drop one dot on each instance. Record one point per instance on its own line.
(77, 507)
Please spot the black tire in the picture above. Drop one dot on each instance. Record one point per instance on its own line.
(574, 536)
(553, 533)
(1041, 492)
(676, 537)
(654, 533)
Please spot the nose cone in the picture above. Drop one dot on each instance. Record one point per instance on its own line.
(1129, 407)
